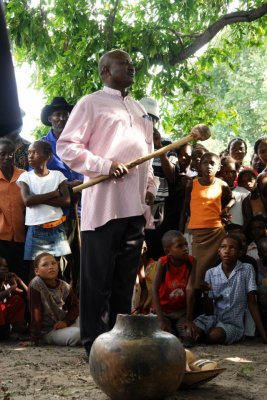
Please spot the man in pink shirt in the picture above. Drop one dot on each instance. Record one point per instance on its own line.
(105, 130)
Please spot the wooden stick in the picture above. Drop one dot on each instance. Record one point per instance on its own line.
(198, 132)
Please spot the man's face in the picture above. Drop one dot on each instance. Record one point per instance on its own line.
(58, 120)
(120, 71)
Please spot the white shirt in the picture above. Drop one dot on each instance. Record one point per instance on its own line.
(239, 194)
(42, 213)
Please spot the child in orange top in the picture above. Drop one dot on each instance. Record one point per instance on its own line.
(209, 199)
(172, 286)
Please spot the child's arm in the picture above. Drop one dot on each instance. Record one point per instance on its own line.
(36, 313)
(253, 308)
(64, 199)
(185, 212)
(187, 199)
(247, 210)
(7, 292)
(72, 306)
(227, 201)
(155, 295)
(20, 282)
(190, 300)
(30, 199)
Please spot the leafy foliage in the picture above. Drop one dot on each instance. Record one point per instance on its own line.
(65, 38)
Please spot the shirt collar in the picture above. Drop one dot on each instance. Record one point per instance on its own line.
(236, 268)
(16, 173)
(113, 92)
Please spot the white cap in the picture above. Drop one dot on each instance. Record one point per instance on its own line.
(151, 106)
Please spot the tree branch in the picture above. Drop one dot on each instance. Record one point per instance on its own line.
(110, 26)
(208, 34)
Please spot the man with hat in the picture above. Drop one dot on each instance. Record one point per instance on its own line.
(56, 115)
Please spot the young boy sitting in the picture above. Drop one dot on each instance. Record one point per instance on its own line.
(228, 289)
(172, 286)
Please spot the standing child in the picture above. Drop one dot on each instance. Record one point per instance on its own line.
(44, 192)
(12, 211)
(246, 184)
(209, 199)
(54, 307)
(172, 286)
(228, 171)
(228, 289)
(255, 230)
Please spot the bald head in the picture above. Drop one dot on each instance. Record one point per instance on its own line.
(116, 70)
(106, 59)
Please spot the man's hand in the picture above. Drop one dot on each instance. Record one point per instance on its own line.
(149, 199)
(118, 169)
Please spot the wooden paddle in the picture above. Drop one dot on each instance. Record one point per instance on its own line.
(198, 132)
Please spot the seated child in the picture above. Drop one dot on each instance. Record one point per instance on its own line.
(12, 304)
(54, 308)
(228, 289)
(262, 278)
(172, 286)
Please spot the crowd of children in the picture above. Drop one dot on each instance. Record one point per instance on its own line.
(214, 207)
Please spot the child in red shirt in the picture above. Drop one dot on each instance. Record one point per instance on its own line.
(172, 287)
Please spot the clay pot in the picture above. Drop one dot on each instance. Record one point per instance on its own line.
(136, 360)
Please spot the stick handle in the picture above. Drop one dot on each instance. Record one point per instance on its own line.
(136, 162)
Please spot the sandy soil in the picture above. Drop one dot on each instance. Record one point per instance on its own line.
(62, 373)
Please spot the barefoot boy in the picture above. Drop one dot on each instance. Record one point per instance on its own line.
(228, 289)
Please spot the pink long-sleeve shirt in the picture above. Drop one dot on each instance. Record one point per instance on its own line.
(105, 127)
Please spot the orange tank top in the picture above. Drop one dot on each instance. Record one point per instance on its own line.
(205, 205)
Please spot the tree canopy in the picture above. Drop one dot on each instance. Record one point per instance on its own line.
(65, 38)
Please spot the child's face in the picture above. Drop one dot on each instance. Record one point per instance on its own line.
(196, 157)
(237, 150)
(248, 182)
(262, 152)
(209, 166)
(228, 173)
(47, 268)
(184, 157)
(257, 164)
(229, 251)
(35, 156)
(257, 230)
(6, 156)
(178, 250)
(262, 249)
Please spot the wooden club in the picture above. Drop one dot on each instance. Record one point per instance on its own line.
(198, 132)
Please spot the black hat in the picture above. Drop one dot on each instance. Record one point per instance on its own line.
(58, 103)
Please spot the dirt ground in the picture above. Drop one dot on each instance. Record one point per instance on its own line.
(62, 373)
